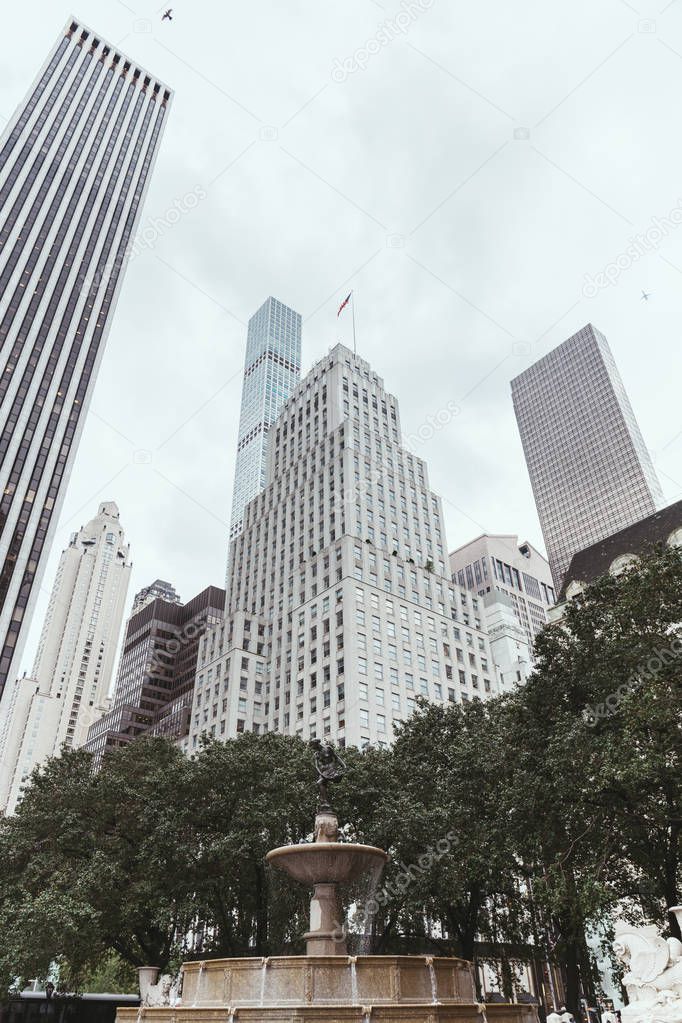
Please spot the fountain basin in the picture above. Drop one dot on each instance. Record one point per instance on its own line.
(330, 989)
(426, 1013)
(327, 862)
(327, 981)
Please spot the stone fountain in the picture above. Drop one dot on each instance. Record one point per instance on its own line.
(326, 985)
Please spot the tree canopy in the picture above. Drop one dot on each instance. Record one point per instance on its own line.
(514, 823)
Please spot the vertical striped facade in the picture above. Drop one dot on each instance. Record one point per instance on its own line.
(75, 162)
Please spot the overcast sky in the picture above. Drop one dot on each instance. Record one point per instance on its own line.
(462, 168)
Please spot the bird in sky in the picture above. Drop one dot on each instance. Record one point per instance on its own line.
(646, 296)
(168, 14)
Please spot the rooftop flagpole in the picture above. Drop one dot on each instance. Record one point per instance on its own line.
(355, 347)
(349, 298)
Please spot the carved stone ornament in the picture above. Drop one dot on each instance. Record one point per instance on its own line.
(164, 993)
(653, 977)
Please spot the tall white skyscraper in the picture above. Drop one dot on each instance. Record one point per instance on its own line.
(589, 467)
(74, 662)
(272, 368)
(340, 606)
(75, 164)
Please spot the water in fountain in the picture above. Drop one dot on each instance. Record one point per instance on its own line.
(262, 981)
(432, 977)
(353, 980)
(363, 941)
(197, 990)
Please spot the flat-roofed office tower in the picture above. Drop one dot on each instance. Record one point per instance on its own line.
(340, 606)
(272, 368)
(590, 470)
(75, 162)
(156, 672)
(514, 582)
(496, 565)
(74, 663)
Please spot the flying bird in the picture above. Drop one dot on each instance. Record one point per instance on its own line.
(646, 296)
(168, 14)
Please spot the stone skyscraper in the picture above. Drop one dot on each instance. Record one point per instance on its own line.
(590, 470)
(74, 662)
(497, 565)
(514, 582)
(272, 368)
(75, 163)
(340, 607)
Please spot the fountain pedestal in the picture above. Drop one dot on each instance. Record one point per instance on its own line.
(323, 865)
(326, 936)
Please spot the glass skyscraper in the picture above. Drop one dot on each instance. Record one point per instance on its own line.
(75, 162)
(272, 368)
(590, 470)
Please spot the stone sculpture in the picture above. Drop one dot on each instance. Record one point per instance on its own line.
(164, 992)
(653, 977)
(330, 769)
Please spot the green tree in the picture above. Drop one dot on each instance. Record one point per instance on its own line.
(594, 750)
(432, 801)
(94, 862)
(250, 795)
(110, 975)
(44, 914)
(141, 876)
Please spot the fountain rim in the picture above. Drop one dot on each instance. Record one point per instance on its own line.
(259, 961)
(306, 847)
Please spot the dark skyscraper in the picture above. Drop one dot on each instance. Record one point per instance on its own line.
(589, 467)
(155, 683)
(75, 162)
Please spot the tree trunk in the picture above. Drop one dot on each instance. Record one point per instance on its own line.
(672, 863)
(587, 975)
(261, 913)
(572, 969)
(468, 924)
(506, 978)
